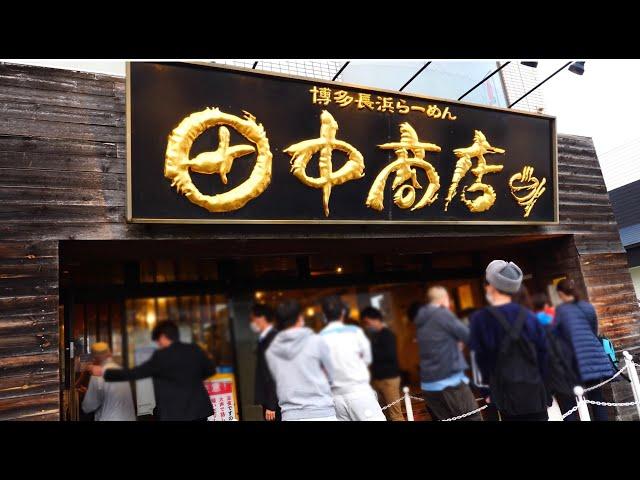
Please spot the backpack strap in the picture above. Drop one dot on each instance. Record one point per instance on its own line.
(512, 330)
(520, 320)
(497, 314)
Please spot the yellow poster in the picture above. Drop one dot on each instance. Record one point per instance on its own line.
(465, 296)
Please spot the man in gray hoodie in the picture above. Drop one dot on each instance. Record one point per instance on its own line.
(300, 363)
(440, 339)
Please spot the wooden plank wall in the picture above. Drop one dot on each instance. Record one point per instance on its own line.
(62, 176)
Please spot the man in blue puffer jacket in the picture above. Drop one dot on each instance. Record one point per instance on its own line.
(577, 327)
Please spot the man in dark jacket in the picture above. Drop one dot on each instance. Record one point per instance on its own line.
(441, 335)
(178, 371)
(385, 374)
(503, 280)
(265, 388)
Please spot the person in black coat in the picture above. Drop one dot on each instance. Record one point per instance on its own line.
(385, 374)
(178, 371)
(265, 387)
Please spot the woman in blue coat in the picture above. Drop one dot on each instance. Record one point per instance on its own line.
(577, 327)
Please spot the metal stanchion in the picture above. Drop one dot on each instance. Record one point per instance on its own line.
(583, 408)
(633, 376)
(407, 404)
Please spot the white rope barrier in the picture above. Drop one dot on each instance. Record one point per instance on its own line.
(606, 381)
(419, 399)
(610, 404)
(633, 376)
(565, 415)
(472, 412)
(392, 403)
(581, 401)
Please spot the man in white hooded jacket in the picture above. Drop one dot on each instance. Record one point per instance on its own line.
(300, 363)
(351, 356)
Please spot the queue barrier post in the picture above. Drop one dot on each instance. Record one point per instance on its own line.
(633, 376)
(583, 408)
(407, 404)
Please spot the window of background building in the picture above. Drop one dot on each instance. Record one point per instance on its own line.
(442, 79)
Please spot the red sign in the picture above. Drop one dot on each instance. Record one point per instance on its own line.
(221, 390)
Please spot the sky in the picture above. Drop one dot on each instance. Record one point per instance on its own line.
(602, 103)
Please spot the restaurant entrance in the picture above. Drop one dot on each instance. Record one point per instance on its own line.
(116, 291)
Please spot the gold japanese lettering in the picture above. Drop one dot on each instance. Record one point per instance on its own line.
(302, 152)
(535, 187)
(321, 96)
(405, 195)
(480, 147)
(446, 114)
(342, 98)
(433, 111)
(364, 100)
(402, 107)
(385, 104)
(177, 163)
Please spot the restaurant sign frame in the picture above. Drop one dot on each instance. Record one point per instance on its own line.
(406, 140)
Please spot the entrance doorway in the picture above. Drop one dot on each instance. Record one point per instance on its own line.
(116, 291)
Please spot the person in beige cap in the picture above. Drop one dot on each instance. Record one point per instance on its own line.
(108, 401)
(509, 348)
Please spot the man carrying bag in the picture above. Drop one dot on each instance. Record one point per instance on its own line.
(510, 348)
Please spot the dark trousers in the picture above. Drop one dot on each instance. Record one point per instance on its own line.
(530, 417)
(491, 413)
(451, 402)
(598, 413)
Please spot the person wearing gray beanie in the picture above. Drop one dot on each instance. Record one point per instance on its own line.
(491, 324)
(506, 277)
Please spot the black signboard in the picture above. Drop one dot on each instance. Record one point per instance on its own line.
(212, 144)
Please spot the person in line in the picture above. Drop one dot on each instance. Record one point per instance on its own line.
(577, 328)
(107, 401)
(352, 321)
(515, 374)
(543, 310)
(351, 356)
(81, 386)
(265, 388)
(385, 374)
(523, 297)
(300, 363)
(466, 314)
(441, 335)
(178, 371)
(413, 309)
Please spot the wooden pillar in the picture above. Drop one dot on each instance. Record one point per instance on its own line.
(29, 331)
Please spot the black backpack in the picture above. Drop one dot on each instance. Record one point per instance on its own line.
(561, 377)
(516, 384)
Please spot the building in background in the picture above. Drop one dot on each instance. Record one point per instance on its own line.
(518, 79)
(622, 178)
